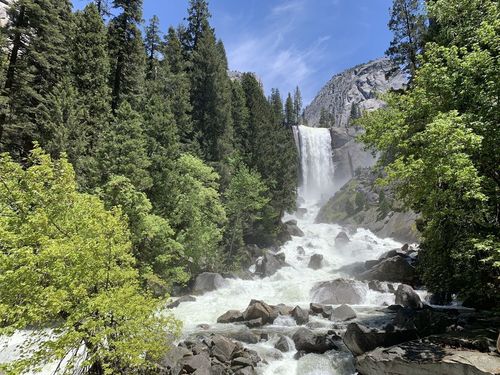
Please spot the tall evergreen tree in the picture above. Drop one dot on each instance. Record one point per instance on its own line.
(153, 45)
(408, 23)
(211, 100)
(198, 23)
(297, 105)
(102, 7)
(37, 40)
(277, 107)
(289, 111)
(240, 118)
(127, 54)
(123, 149)
(90, 73)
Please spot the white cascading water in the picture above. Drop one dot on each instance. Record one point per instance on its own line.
(290, 285)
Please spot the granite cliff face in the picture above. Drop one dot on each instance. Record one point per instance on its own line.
(345, 97)
(4, 5)
(355, 90)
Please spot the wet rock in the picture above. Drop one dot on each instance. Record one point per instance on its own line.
(343, 313)
(204, 327)
(426, 322)
(254, 323)
(293, 229)
(395, 269)
(199, 363)
(310, 342)
(282, 309)
(440, 299)
(360, 339)
(244, 335)
(221, 348)
(172, 360)
(269, 264)
(407, 297)
(301, 212)
(301, 251)
(379, 286)
(342, 239)
(231, 316)
(259, 309)
(426, 358)
(283, 345)
(180, 300)
(207, 282)
(337, 292)
(316, 262)
(301, 316)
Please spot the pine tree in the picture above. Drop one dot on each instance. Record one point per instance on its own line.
(102, 7)
(123, 149)
(297, 105)
(37, 39)
(198, 24)
(127, 54)
(211, 100)
(289, 111)
(153, 44)
(408, 23)
(240, 118)
(277, 107)
(90, 73)
(178, 90)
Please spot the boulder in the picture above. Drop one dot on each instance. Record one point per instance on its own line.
(360, 339)
(199, 363)
(254, 323)
(283, 345)
(407, 297)
(269, 264)
(231, 316)
(316, 262)
(343, 313)
(172, 361)
(301, 250)
(342, 239)
(318, 309)
(282, 309)
(426, 322)
(293, 229)
(301, 316)
(379, 286)
(207, 282)
(425, 358)
(180, 300)
(259, 309)
(221, 348)
(244, 335)
(338, 292)
(309, 342)
(394, 269)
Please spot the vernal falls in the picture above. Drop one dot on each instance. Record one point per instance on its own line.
(293, 284)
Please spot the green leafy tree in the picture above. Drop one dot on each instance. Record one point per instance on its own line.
(37, 40)
(66, 263)
(160, 259)
(438, 141)
(245, 199)
(198, 217)
(408, 24)
(123, 149)
(127, 54)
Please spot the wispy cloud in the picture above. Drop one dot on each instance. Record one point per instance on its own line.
(288, 7)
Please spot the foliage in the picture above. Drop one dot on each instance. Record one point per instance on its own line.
(439, 141)
(65, 261)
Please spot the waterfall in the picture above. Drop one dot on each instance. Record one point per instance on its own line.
(316, 163)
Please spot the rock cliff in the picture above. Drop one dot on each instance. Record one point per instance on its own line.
(346, 96)
(4, 5)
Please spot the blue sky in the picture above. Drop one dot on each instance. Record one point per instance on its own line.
(290, 42)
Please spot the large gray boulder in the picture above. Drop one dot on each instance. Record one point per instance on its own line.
(342, 239)
(231, 316)
(360, 339)
(260, 310)
(316, 262)
(293, 229)
(309, 342)
(207, 282)
(425, 358)
(337, 292)
(300, 315)
(407, 297)
(269, 264)
(343, 313)
(393, 269)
